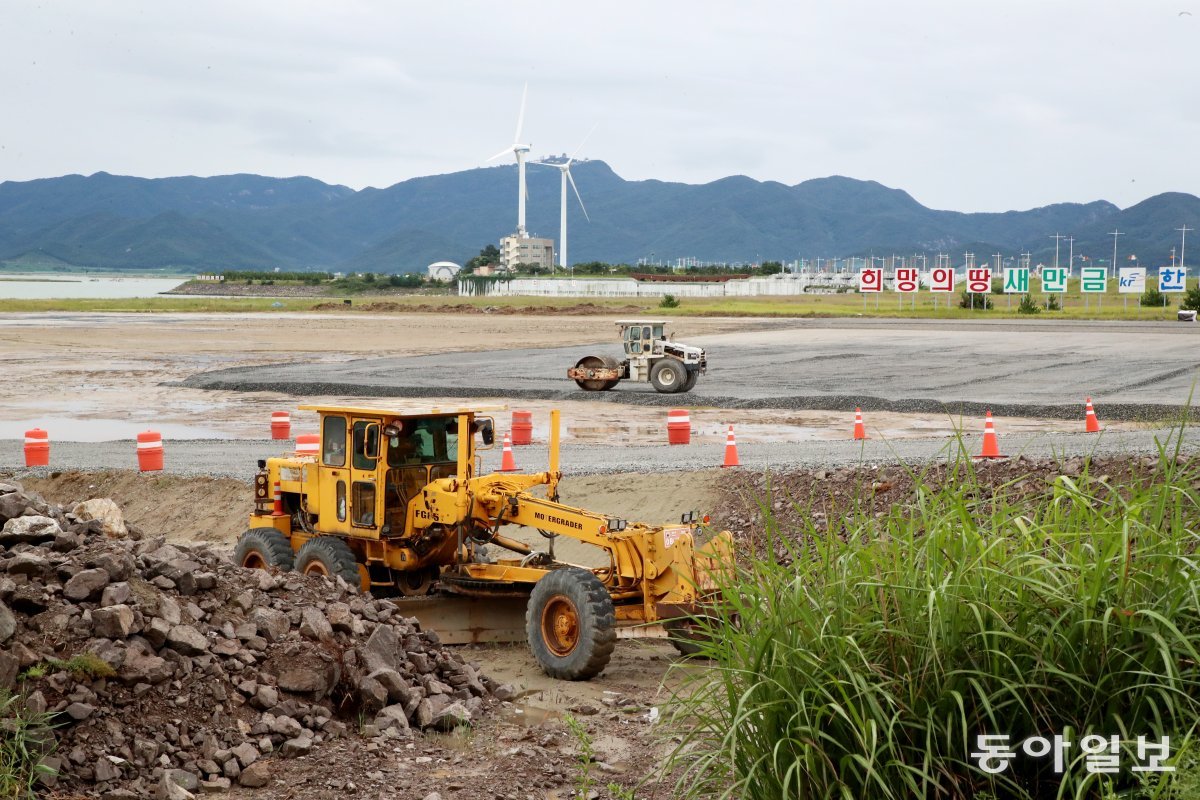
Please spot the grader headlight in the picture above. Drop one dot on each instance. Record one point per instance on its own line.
(260, 486)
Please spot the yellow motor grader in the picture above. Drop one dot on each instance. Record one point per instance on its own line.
(395, 504)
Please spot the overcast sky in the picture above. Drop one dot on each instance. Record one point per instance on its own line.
(966, 105)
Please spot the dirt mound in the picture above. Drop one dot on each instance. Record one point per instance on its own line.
(183, 509)
(825, 496)
(168, 671)
(387, 306)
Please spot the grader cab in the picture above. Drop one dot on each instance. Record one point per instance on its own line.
(395, 503)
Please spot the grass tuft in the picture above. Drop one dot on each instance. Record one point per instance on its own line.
(863, 661)
(26, 738)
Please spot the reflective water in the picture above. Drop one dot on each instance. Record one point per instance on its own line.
(68, 429)
(82, 286)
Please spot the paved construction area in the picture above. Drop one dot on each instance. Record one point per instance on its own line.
(1014, 367)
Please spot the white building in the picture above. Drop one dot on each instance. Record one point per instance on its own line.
(443, 271)
(526, 250)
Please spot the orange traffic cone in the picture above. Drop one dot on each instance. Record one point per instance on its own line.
(731, 457)
(991, 446)
(507, 462)
(277, 510)
(1092, 425)
(860, 430)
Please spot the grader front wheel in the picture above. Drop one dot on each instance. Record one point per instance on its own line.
(330, 556)
(263, 548)
(571, 624)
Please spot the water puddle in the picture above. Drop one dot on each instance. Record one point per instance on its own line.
(70, 429)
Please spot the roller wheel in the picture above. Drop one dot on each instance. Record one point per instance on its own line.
(690, 383)
(330, 556)
(686, 635)
(264, 548)
(593, 362)
(571, 624)
(610, 363)
(668, 376)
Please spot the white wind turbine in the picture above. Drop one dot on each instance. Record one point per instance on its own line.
(519, 150)
(565, 173)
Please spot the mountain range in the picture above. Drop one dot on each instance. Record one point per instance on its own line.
(255, 222)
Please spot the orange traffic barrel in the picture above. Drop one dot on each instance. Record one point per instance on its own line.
(281, 425)
(37, 448)
(308, 444)
(150, 451)
(522, 427)
(679, 426)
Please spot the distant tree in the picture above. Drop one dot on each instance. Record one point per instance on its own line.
(368, 277)
(409, 280)
(488, 256)
(770, 268)
(593, 268)
(1028, 306)
(975, 300)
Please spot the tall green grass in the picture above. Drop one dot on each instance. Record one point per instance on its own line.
(865, 665)
(26, 738)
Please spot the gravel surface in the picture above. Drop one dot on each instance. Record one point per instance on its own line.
(237, 457)
(1014, 367)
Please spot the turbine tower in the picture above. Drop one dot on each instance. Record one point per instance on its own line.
(519, 150)
(565, 173)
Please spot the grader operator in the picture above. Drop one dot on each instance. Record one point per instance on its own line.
(395, 503)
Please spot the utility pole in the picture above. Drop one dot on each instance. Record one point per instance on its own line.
(1058, 237)
(1183, 243)
(1115, 233)
(1071, 257)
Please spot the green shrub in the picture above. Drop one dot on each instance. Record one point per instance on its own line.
(977, 301)
(1152, 297)
(1028, 305)
(867, 666)
(1191, 300)
(668, 301)
(1053, 303)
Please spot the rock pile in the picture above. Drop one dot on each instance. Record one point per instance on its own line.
(170, 671)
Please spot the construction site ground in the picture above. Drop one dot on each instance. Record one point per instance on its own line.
(789, 387)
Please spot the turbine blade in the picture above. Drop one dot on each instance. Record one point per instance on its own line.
(504, 152)
(521, 114)
(581, 144)
(577, 197)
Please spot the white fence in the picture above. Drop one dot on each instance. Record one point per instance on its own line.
(778, 285)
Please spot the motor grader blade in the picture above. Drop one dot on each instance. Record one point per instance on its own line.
(474, 620)
(468, 620)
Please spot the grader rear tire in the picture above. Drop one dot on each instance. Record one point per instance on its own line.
(668, 376)
(571, 624)
(330, 556)
(593, 362)
(690, 383)
(264, 548)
